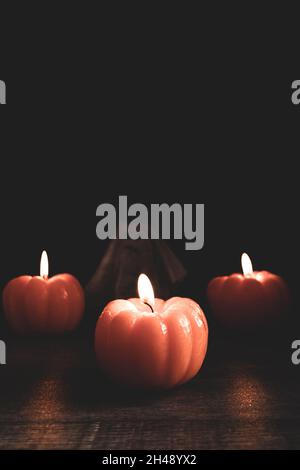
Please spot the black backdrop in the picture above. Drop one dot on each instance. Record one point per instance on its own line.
(192, 109)
(88, 121)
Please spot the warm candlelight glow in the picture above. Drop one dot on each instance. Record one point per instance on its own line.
(44, 266)
(145, 290)
(247, 265)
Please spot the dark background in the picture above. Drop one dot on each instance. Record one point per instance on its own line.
(191, 111)
(87, 123)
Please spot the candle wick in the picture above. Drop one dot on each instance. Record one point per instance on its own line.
(149, 306)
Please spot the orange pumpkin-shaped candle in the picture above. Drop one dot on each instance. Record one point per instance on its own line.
(149, 342)
(246, 301)
(38, 304)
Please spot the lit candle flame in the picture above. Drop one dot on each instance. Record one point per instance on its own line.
(44, 265)
(247, 265)
(145, 290)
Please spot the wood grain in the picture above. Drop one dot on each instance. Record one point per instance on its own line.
(52, 396)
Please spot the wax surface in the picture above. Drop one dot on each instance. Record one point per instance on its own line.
(152, 349)
(38, 305)
(247, 301)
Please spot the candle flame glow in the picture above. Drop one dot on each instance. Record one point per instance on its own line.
(44, 265)
(246, 265)
(145, 290)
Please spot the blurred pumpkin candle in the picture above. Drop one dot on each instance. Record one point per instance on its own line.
(249, 299)
(148, 342)
(39, 304)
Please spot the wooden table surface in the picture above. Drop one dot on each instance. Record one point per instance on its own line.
(52, 396)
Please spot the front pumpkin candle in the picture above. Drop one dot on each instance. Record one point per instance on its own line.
(248, 300)
(39, 304)
(148, 342)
